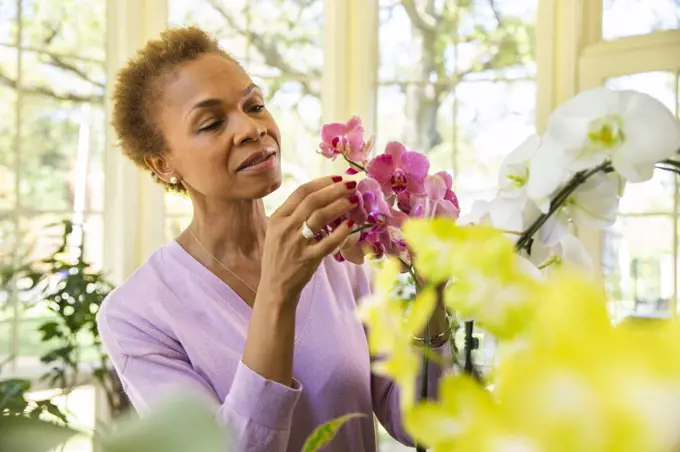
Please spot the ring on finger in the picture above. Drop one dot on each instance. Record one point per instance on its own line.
(307, 231)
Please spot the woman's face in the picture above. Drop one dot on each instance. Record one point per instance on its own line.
(222, 140)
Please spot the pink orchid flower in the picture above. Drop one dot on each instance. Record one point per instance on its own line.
(399, 170)
(438, 199)
(345, 139)
(443, 201)
(372, 207)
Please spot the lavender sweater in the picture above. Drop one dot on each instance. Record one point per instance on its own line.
(175, 325)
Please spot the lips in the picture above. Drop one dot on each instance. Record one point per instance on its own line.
(256, 157)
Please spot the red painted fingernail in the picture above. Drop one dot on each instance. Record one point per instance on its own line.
(354, 199)
(350, 185)
(350, 223)
(336, 178)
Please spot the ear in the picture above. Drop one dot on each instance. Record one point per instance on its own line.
(161, 167)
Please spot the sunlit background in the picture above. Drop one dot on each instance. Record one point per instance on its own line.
(457, 79)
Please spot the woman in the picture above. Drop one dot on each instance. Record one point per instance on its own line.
(243, 309)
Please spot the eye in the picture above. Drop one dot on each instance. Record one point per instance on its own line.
(257, 108)
(211, 127)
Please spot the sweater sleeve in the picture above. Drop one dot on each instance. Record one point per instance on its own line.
(384, 391)
(257, 412)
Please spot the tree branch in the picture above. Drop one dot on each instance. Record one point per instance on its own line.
(267, 48)
(496, 13)
(422, 21)
(57, 61)
(45, 91)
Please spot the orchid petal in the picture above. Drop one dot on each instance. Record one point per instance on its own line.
(506, 213)
(595, 202)
(547, 171)
(415, 187)
(446, 208)
(448, 180)
(573, 252)
(415, 164)
(395, 149)
(332, 130)
(554, 229)
(381, 169)
(569, 123)
(652, 134)
(435, 187)
(479, 214)
(354, 122)
(356, 143)
(452, 198)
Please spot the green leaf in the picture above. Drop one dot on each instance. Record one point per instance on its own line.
(14, 387)
(181, 424)
(31, 435)
(325, 433)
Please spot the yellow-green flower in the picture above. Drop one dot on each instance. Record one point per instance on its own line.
(391, 327)
(487, 283)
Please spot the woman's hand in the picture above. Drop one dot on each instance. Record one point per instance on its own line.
(289, 259)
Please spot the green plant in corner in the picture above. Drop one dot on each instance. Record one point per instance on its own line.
(73, 290)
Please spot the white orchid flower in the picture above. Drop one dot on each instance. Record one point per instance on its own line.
(632, 129)
(593, 205)
(569, 251)
(549, 171)
(514, 172)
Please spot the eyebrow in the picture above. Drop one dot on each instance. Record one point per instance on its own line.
(212, 102)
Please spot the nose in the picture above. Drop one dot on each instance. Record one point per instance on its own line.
(248, 129)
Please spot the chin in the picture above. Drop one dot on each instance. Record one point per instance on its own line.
(268, 186)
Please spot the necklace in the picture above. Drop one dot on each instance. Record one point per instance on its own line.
(221, 264)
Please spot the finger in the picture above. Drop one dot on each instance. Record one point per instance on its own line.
(332, 241)
(323, 198)
(333, 211)
(303, 191)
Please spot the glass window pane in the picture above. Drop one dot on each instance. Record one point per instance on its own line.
(63, 77)
(42, 235)
(226, 20)
(7, 148)
(285, 38)
(60, 141)
(39, 236)
(486, 111)
(176, 204)
(93, 237)
(79, 407)
(8, 241)
(8, 22)
(639, 265)
(296, 108)
(6, 326)
(654, 196)
(622, 18)
(496, 39)
(7, 238)
(65, 27)
(400, 45)
(660, 85)
(174, 225)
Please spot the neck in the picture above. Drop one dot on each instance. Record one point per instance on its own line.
(231, 230)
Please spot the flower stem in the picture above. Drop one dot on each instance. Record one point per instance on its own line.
(354, 164)
(361, 228)
(557, 202)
